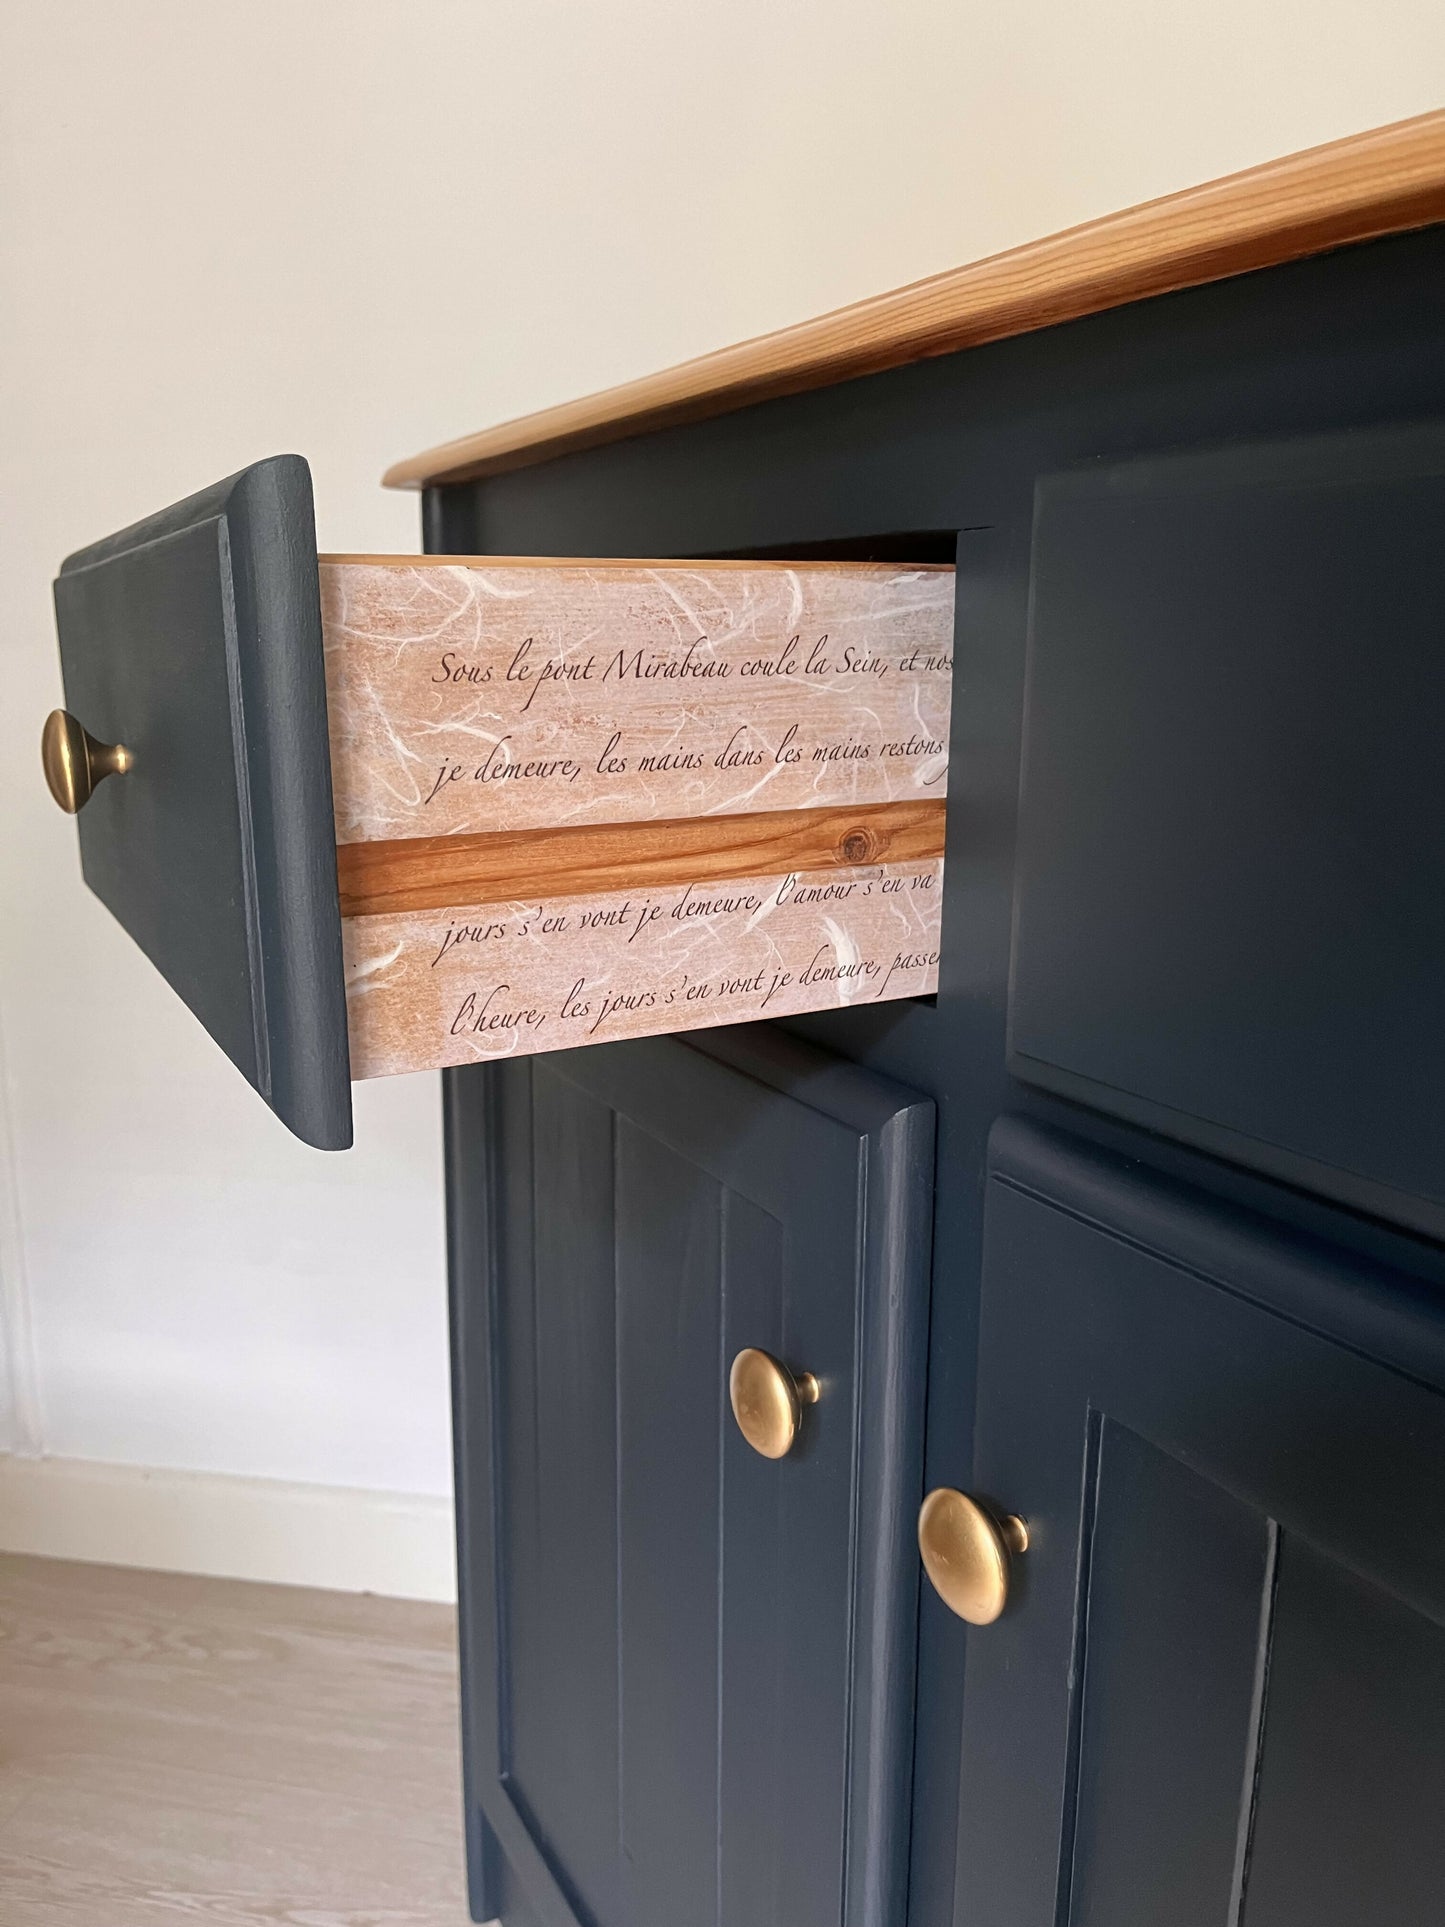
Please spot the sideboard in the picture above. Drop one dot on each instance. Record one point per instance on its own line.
(1121, 1252)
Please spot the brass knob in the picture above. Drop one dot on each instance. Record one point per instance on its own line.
(768, 1401)
(967, 1553)
(75, 762)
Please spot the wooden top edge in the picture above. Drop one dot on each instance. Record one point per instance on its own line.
(1380, 182)
(683, 566)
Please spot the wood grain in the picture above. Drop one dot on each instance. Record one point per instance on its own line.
(1380, 182)
(457, 872)
(176, 1750)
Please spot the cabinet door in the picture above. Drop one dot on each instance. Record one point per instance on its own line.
(1218, 1691)
(688, 1668)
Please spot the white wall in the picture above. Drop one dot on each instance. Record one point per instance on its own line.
(354, 227)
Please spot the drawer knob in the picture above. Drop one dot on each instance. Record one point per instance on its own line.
(75, 762)
(968, 1552)
(768, 1401)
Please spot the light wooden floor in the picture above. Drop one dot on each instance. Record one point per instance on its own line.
(201, 1751)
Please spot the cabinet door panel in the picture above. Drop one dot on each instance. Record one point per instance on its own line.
(1352, 1785)
(562, 1637)
(1167, 1722)
(1211, 1429)
(669, 1455)
(687, 1669)
(1231, 857)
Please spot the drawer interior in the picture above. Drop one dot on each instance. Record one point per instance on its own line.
(584, 800)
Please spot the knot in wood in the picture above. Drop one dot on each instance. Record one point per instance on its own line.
(857, 846)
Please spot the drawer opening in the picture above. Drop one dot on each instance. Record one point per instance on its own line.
(384, 813)
(928, 547)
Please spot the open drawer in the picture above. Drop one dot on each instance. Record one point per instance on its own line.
(387, 813)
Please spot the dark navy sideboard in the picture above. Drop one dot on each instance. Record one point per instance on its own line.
(1125, 1251)
(1137, 1229)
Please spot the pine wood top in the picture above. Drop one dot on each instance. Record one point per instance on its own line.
(1381, 182)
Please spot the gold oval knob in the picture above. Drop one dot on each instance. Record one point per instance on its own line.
(75, 762)
(768, 1401)
(967, 1552)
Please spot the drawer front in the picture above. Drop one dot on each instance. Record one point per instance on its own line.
(1231, 898)
(194, 639)
(573, 801)
(688, 1666)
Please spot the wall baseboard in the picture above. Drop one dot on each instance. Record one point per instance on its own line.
(20, 1420)
(394, 1543)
